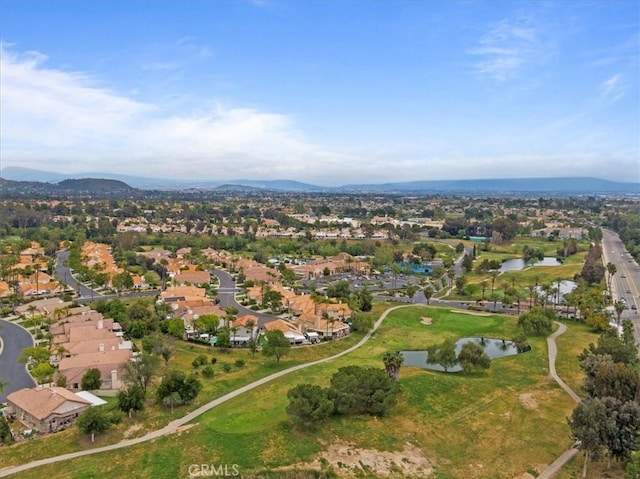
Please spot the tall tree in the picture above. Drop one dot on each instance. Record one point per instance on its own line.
(443, 354)
(94, 421)
(131, 399)
(277, 345)
(308, 405)
(393, 361)
(91, 380)
(472, 357)
(588, 424)
(611, 270)
(142, 370)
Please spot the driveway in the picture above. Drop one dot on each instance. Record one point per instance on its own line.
(14, 340)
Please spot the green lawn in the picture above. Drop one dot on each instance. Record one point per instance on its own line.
(498, 424)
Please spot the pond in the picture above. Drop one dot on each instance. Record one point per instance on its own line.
(517, 264)
(495, 348)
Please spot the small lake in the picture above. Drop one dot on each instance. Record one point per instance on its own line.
(495, 348)
(517, 264)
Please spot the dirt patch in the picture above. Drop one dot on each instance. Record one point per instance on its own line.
(528, 401)
(129, 433)
(348, 460)
(426, 321)
(186, 427)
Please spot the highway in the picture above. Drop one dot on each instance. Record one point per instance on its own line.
(626, 281)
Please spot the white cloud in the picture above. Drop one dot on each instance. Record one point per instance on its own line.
(63, 121)
(508, 47)
(612, 89)
(69, 122)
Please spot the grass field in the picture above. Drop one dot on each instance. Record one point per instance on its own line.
(502, 423)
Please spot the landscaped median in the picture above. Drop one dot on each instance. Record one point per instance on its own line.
(506, 421)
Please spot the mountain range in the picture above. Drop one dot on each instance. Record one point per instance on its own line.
(571, 185)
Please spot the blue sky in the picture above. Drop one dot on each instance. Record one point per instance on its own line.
(327, 92)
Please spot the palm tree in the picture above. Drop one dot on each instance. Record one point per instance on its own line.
(428, 293)
(619, 306)
(611, 269)
(393, 361)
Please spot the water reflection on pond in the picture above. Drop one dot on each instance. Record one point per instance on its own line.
(495, 348)
(516, 264)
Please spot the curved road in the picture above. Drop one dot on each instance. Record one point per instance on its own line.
(63, 272)
(14, 339)
(226, 295)
(170, 428)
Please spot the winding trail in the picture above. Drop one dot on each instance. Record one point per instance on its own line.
(173, 425)
(566, 456)
(170, 428)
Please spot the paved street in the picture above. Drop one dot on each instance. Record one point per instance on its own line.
(64, 274)
(626, 280)
(226, 295)
(14, 340)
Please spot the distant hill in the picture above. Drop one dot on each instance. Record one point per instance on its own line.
(505, 186)
(554, 186)
(81, 187)
(94, 185)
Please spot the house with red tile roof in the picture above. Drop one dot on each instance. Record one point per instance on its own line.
(46, 409)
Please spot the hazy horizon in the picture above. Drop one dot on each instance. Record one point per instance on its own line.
(328, 93)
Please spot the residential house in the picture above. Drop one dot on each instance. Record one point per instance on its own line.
(47, 409)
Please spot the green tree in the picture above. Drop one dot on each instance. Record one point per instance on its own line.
(34, 355)
(186, 386)
(588, 424)
(472, 357)
(362, 322)
(131, 399)
(443, 354)
(43, 372)
(207, 323)
(277, 345)
(622, 429)
(175, 327)
(308, 405)
(604, 378)
(360, 390)
(91, 380)
(224, 338)
(393, 361)
(94, 420)
(537, 322)
(142, 370)
(122, 281)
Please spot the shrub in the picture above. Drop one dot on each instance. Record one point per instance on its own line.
(226, 367)
(207, 372)
(214, 360)
(239, 363)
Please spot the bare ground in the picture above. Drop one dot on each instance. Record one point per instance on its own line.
(348, 461)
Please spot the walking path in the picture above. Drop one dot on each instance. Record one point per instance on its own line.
(566, 456)
(170, 428)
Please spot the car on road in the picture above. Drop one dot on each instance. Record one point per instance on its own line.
(633, 306)
(623, 276)
(629, 291)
